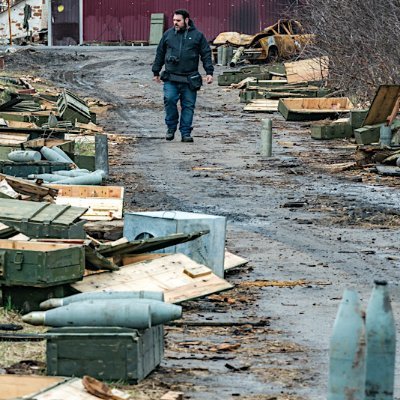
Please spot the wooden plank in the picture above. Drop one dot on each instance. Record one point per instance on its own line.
(382, 105)
(313, 69)
(196, 271)
(90, 126)
(40, 142)
(233, 261)
(262, 105)
(162, 274)
(136, 258)
(13, 139)
(29, 188)
(16, 386)
(72, 389)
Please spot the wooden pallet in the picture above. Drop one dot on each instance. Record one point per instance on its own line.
(179, 277)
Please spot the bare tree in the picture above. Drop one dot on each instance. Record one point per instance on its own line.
(361, 39)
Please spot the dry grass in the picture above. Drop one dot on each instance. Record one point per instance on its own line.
(14, 352)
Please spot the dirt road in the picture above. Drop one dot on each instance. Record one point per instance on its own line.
(291, 216)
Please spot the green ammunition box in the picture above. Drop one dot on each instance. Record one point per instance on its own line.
(367, 134)
(23, 169)
(105, 353)
(26, 298)
(357, 118)
(43, 220)
(72, 108)
(334, 130)
(40, 264)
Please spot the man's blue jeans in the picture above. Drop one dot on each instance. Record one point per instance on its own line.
(173, 92)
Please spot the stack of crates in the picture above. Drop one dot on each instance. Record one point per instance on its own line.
(31, 272)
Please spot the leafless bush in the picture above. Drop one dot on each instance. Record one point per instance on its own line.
(361, 39)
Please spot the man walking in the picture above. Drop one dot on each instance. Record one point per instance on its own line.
(179, 50)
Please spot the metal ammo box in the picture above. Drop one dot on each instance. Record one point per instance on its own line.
(40, 264)
(42, 220)
(106, 353)
(208, 249)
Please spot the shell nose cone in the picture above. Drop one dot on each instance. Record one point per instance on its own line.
(177, 313)
(34, 318)
(51, 303)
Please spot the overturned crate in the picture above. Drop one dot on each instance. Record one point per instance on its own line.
(72, 108)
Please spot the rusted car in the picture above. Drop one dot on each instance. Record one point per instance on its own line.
(280, 41)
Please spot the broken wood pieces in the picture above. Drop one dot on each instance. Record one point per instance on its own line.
(165, 274)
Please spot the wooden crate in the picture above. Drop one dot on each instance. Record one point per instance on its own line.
(311, 109)
(104, 203)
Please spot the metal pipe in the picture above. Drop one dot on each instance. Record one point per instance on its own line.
(224, 56)
(9, 21)
(236, 58)
(266, 138)
(101, 151)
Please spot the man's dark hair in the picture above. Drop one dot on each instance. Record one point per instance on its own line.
(184, 13)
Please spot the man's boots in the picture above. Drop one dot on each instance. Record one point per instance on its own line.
(170, 134)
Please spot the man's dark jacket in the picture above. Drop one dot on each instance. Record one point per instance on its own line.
(186, 47)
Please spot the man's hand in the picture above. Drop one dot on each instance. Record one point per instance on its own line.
(209, 79)
(157, 79)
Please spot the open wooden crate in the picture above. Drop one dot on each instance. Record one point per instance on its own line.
(310, 109)
(104, 203)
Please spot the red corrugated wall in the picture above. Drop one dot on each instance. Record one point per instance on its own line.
(129, 20)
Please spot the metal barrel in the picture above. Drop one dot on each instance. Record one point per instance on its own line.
(73, 172)
(52, 155)
(94, 178)
(266, 138)
(229, 54)
(347, 351)
(62, 154)
(385, 135)
(121, 313)
(24, 155)
(46, 177)
(236, 57)
(381, 345)
(224, 56)
(58, 302)
(219, 55)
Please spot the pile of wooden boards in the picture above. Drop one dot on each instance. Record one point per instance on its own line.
(261, 91)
